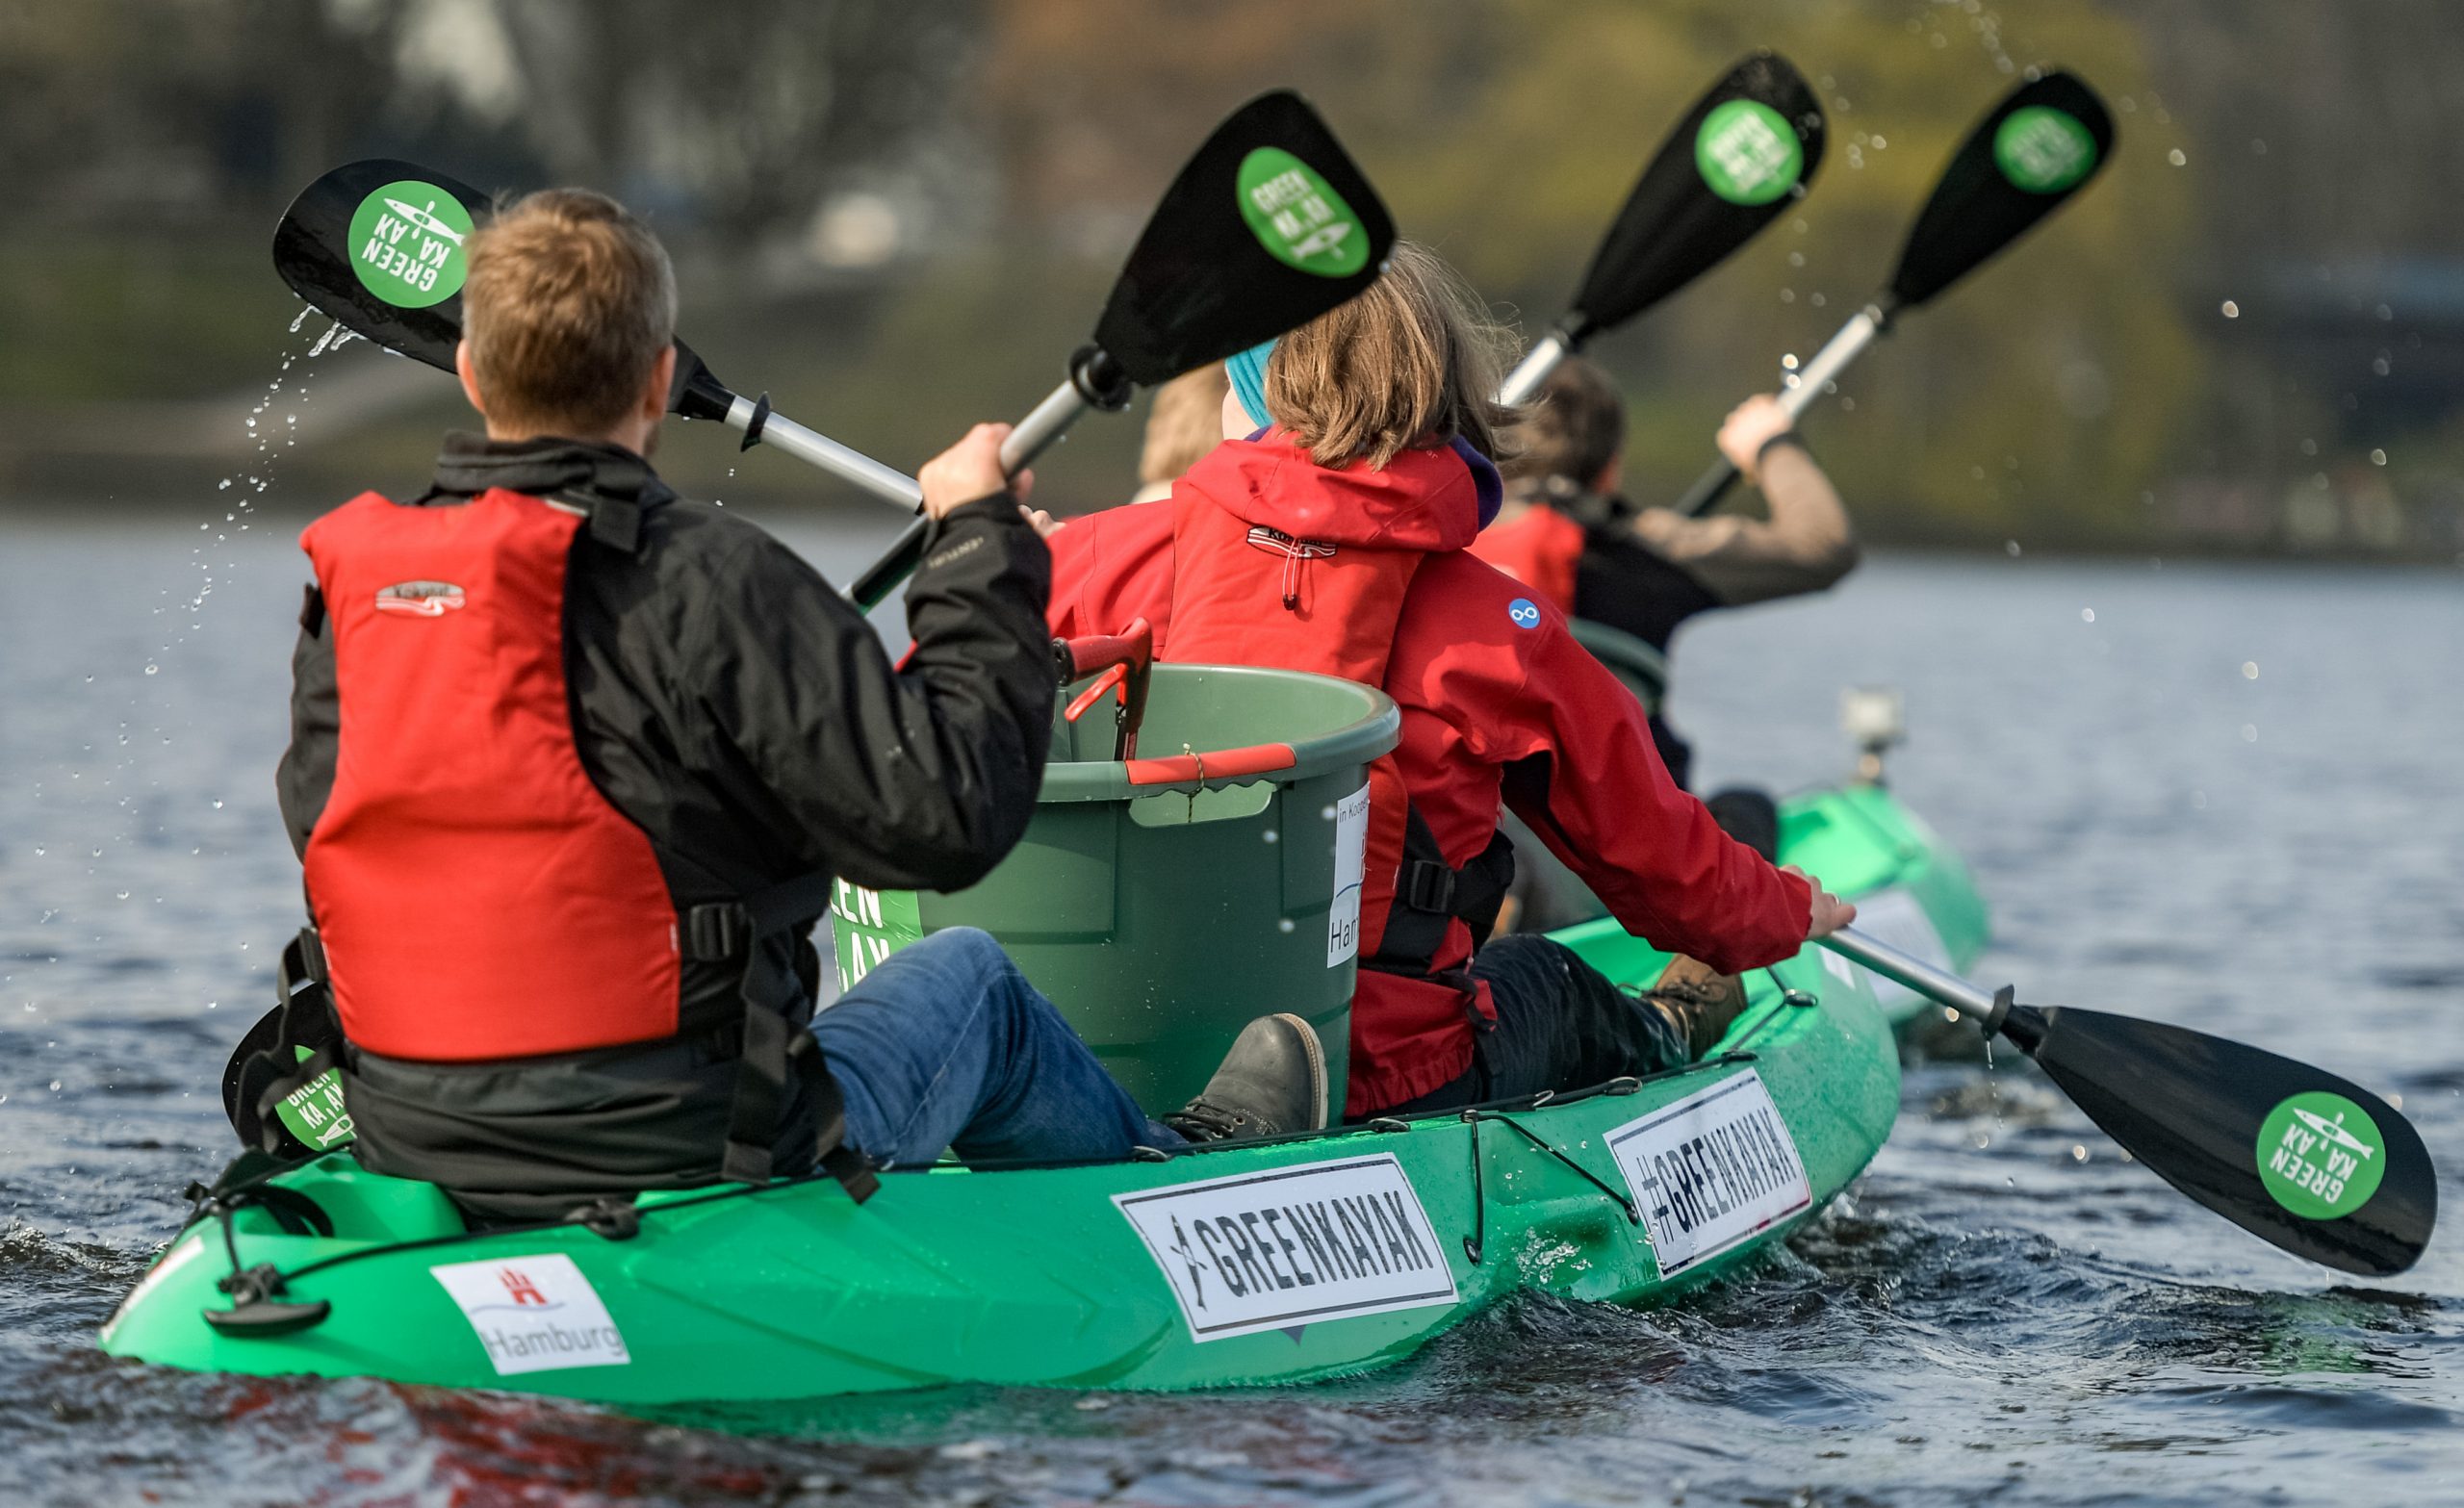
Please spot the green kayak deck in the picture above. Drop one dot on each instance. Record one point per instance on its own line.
(1247, 1264)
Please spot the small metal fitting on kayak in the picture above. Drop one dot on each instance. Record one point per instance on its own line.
(615, 1219)
(1802, 1000)
(255, 1312)
(1386, 1123)
(1145, 1153)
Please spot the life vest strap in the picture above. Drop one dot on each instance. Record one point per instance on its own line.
(773, 1046)
(1431, 894)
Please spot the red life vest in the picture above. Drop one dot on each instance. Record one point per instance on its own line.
(475, 895)
(1540, 548)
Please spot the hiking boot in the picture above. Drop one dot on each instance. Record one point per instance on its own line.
(1271, 1082)
(1701, 1002)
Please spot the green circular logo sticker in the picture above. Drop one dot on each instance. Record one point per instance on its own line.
(406, 243)
(2320, 1155)
(1748, 153)
(1300, 220)
(2043, 150)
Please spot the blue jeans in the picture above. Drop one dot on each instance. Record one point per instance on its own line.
(945, 1044)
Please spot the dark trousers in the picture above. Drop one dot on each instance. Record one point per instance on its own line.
(1561, 1025)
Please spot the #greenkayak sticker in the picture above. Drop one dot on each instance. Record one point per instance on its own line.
(867, 925)
(315, 1112)
(406, 243)
(1748, 153)
(1298, 217)
(2320, 1155)
(2043, 150)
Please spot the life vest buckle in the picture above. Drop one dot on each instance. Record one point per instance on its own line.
(716, 931)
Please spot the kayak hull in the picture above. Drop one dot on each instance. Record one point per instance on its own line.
(1071, 1277)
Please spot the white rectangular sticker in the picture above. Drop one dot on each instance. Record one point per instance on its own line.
(1894, 918)
(1712, 1170)
(534, 1314)
(1294, 1247)
(1352, 855)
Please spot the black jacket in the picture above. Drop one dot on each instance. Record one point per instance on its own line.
(728, 701)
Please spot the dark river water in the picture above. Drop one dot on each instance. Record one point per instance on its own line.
(2223, 797)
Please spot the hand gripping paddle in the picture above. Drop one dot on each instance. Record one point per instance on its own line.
(1269, 226)
(2304, 1160)
(2042, 145)
(1745, 152)
(376, 246)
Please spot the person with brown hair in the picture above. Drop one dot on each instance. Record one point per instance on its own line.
(1565, 530)
(1330, 533)
(574, 761)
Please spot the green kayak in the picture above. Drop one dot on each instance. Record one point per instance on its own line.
(1911, 891)
(1162, 902)
(1247, 1263)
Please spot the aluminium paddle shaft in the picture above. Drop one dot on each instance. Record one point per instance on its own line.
(1938, 985)
(1797, 392)
(759, 425)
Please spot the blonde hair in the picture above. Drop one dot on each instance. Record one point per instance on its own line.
(1185, 423)
(568, 302)
(1409, 363)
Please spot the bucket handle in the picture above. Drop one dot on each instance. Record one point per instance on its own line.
(1126, 661)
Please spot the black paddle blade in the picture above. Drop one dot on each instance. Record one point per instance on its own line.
(1269, 226)
(2043, 143)
(1745, 152)
(377, 246)
(2301, 1159)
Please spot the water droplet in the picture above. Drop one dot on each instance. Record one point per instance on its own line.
(2249, 670)
(2177, 158)
(2232, 310)
(2087, 615)
(2249, 733)
(2377, 458)
(152, 670)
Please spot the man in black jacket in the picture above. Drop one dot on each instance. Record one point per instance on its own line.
(572, 760)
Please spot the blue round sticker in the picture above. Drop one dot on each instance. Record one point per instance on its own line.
(1524, 613)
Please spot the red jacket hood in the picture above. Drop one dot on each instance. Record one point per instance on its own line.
(1428, 500)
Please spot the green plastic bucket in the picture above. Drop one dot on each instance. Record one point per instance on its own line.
(1166, 902)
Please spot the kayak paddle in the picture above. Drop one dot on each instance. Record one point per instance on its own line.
(2307, 1161)
(376, 246)
(1746, 151)
(1268, 227)
(2042, 145)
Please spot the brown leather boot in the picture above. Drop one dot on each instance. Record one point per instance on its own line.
(1699, 1002)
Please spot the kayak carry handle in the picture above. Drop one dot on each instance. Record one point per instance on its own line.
(255, 1315)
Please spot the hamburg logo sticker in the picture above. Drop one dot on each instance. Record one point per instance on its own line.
(420, 599)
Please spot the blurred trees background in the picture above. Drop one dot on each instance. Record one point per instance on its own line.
(898, 216)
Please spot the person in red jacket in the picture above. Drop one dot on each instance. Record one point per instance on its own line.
(1329, 533)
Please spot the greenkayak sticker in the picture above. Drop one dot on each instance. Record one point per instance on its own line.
(2320, 1155)
(407, 243)
(1748, 153)
(1298, 217)
(315, 1112)
(2043, 150)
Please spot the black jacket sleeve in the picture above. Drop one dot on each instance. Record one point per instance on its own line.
(920, 777)
(306, 778)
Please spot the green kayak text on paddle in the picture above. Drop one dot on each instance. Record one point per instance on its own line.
(407, 243)
(1748, 153)
(2043, 150)
(2320, 1155)
(1298, 217)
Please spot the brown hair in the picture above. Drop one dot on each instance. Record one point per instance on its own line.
(1185, 423)
(1409, 363)
(1574, 429)
(568, 302)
